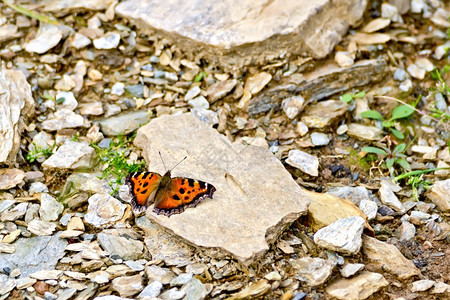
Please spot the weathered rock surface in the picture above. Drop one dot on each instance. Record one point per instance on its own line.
(71, 155)
(248, 209)
(125, 248)
(34, 254)
(319, 84)
(356, 288)
(313, 270)
(124, 123)
(50, 209)
(165, 246)
(127, 286)
(326, 209)
(16, 104)
(213, 29)
(9, 178)
(104, 210)
(386, 257)
(343, 236)
(440, 195)
(304, 161)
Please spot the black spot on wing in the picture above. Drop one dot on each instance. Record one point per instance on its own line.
(176, 197)
(145, 184)
(144, 191)
(202, 184)
(181, 191)
(191, 182)
(145, 175)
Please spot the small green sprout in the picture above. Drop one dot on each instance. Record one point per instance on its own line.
(349, 97)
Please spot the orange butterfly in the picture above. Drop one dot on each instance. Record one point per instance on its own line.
(170, 195)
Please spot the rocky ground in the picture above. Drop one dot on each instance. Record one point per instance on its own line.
(312, 161)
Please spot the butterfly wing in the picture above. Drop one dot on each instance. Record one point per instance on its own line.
(180, 194)
(143, 187)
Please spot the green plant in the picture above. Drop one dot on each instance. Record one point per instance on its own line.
(200, 76)
(417, 184)
(30, 13)
(36, 152)
(50, 97)
(115, 166)
(400, 112)
(391, 157)
(75, 138)
(349, 97)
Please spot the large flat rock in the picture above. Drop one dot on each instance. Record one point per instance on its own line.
(16, 104)
(241, 32)
(255, 198)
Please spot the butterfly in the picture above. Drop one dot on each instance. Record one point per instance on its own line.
(170, 195)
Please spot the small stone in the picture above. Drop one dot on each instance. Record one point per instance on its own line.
(301, 128)
(422, 285)
(257, 82)
(75, 223)
(196, 269)
(376, 25)
(388, 197)
(364, 132)
(125, 248)
(123, 123)
(351, 269)
(151, 290)
(109, 41)
(92, 108)
(255, 290)
(23, 283)
(400, 75)
(220, 89)
(172, 294)
(406, 85)
(358, 287)
(181, 279)
(343, 235)
(6, 285)
(104, 210)
(9, 178)
(195, 289)
(71, 155)
(39, 227)
(118, 89)
(440, 288)
(205, 115)
(416, 72)
(155, 273)
(369, 208)
(79, 41)
(342, 129)
(37, 187)
(63, 118)
(320, 139)
(386, 257)
(50, 209)
(406, 232)
(343, 59)
(199, 102)
(48, 36)
(11, 237)
(127, 286)
(7, 248)
(303, 161)
(192, 93)
(314, 271)
(292, 106)
(67, 100)
(46, 274)
(440, 195)
(272, 276)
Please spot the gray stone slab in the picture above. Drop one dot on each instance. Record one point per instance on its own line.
(255, 198)
(246, 31)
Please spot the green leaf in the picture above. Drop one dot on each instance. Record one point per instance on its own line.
(360, 95)
(389, 162)
(403, 163)
(347, 98)
(401, 112)
(60, 100)
(200, 76)
(400, 148)
(397, 133)
(371, 114)
(374, 150)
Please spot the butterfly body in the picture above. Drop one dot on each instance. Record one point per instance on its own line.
(170, 195)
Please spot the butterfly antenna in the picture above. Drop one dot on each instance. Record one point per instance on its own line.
(178, 163)
(165, 168)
